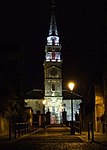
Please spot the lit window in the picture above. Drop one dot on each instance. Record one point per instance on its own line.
(48, 56)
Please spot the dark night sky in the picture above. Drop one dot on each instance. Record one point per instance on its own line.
(24, 25)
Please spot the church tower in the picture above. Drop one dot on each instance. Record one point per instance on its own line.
(53, 71)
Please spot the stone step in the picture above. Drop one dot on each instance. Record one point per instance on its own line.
(56, 125)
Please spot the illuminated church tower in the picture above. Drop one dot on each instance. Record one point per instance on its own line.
(53, 71)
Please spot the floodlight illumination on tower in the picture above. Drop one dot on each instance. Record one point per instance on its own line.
(51, 39)
(53, 70)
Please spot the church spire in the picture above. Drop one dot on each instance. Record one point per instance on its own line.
(53, 27)
(53, 38)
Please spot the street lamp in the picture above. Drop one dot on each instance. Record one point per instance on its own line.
(44, 102)
(71, 87)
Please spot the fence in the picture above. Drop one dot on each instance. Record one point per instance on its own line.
(18, 129)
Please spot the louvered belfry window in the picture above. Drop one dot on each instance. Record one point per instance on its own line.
(53, 87)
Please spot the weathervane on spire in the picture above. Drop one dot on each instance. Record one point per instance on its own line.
(53, 2)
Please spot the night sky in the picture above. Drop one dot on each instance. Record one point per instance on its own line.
(24, 28)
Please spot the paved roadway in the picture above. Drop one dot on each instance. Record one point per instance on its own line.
(52, 138)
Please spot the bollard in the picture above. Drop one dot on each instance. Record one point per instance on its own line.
(90, 130)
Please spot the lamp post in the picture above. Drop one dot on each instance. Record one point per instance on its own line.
(44, 115)
(44, 102)
(71, 87)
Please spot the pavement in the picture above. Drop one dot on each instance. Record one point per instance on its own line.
(55, 138)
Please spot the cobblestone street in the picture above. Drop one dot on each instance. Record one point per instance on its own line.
(52, 138)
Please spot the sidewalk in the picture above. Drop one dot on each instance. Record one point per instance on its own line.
(4, 139)
(98, 137)
(101, 138)
(55, 138)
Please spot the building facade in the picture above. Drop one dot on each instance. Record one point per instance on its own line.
(52, 98)
(53, 72)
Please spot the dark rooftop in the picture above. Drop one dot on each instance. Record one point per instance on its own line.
(39, 94)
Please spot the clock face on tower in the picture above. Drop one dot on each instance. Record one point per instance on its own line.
(53, 72)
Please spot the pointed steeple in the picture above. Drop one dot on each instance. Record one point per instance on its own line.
(53, 27)
(53, 38)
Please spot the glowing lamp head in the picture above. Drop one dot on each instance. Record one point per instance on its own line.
(71, 86)
(44, 102)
